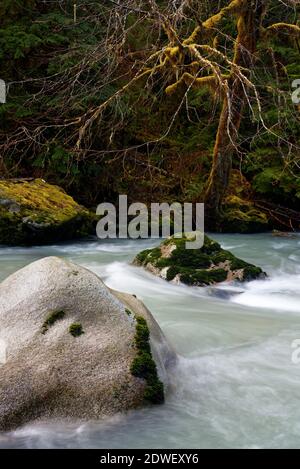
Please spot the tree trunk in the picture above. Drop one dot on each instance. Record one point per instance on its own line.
(249, 25)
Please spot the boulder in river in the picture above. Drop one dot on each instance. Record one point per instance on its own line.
(35, 212)
(208, 265)
(74, 348)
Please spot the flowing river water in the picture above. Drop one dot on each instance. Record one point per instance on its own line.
(235, 384)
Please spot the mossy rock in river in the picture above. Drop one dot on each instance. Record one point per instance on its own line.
(208, 265)
(34, 212)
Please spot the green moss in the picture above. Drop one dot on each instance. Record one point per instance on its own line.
(251, 272)
(34, 212)
(235, 262)
(75, 329)
(192, 258)
(172, 271)
(196, 266)
(142, 335)
(154, 391)
(203, 277)
(210, 246)
(143, 365)
(240, 216)
(51, 319)
(237, 221)
(278, 185)
(189, 263)
(142, 256)
(154, 254)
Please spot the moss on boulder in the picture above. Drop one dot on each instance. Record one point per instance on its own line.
(239, 212)
(35, 212)
(143, 365)
(241, 216)
(95, 359)
(208, 265)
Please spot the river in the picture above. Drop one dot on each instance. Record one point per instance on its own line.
(235, 385)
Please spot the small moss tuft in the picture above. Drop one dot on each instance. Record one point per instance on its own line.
(252, 272)
(142, 335)
(172, 272)
(142, 256)
(75, 329)
(143, 365)
(154, 392)
(51, 319)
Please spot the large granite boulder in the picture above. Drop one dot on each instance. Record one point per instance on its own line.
(208, 265)
(75, 349)
(34, 212)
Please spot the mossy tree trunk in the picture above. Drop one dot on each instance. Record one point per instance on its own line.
(249, 25)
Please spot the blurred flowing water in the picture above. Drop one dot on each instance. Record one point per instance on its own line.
(235, 384)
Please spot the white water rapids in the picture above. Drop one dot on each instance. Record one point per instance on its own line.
(235, 384)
